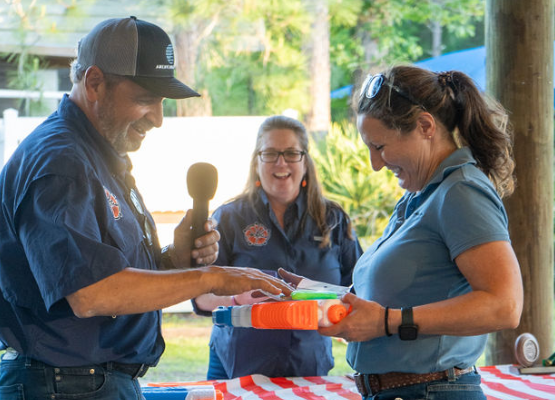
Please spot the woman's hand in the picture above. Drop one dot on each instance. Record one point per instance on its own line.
(290, 277)
(250, 297)
(364, 322)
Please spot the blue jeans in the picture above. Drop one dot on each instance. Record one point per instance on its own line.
(27, 379)
(215, 367)
(463, 387)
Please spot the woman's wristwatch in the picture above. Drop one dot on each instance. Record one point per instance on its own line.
(407, 330)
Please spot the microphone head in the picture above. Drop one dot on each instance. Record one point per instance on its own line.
(202, 180)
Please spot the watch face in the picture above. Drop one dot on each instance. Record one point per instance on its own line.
(408, 332)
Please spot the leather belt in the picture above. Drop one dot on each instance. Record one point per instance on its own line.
(134, 370)
(370, 384)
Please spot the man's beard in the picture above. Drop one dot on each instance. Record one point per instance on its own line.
(116, 134)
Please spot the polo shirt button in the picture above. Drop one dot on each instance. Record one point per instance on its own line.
(91, 371)
(57, 370)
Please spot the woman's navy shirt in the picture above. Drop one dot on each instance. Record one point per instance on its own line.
(252, 237)
(67, 222)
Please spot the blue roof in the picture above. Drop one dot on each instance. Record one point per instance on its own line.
(341, 92)
(470, 61)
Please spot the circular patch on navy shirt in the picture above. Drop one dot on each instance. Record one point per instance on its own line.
(257, 234)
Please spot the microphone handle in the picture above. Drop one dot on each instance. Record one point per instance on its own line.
(200, 216)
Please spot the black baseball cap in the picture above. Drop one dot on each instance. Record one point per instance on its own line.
(136, 49)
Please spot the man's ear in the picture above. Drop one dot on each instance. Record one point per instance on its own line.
(427, 124)
(94, 78)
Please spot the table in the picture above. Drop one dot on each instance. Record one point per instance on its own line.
(498, 382)
(503, 382)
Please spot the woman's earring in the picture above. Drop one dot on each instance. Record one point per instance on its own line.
(257, 183)
(303, 183)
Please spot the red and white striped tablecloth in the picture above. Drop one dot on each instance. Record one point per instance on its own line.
(503, 382)
(255, 387)
(498, 383)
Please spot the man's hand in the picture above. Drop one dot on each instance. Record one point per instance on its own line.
(227, 281)
(206, 247)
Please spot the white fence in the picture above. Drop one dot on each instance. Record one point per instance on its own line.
(160, 166)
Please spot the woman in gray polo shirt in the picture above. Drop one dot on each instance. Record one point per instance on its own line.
(444, 273)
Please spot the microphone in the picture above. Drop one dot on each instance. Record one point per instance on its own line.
(202, 180)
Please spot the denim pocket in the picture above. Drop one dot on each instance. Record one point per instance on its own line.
(466, 387)
(78, 383)
(12, 392)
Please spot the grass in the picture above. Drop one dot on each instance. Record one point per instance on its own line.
(186, 355)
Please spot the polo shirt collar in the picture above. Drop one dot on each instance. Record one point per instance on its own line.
(454, 161)
(297, 207)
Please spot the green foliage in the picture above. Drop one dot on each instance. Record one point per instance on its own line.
(26, 76)
(270, 75)
(347, 177)
(253, 61)
(372, 35)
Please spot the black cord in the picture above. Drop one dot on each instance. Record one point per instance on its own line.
(386, 320)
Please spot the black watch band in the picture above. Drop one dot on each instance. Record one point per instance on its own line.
(407, 330)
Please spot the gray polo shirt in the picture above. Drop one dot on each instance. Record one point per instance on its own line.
(412, 264)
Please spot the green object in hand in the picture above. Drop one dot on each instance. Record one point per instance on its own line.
(312, 295)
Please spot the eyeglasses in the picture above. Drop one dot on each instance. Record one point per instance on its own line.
(373, 83)
(290, 156)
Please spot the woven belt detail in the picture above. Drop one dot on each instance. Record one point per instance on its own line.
(370, 384)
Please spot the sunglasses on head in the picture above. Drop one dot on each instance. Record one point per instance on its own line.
(373, 83)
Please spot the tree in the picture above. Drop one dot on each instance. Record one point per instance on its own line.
(455, 16)
(256, 65)
(194, 22)
(318, 53)
(371, 35)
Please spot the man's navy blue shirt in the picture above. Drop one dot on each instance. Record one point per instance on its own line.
(252, 237)
(67, 221)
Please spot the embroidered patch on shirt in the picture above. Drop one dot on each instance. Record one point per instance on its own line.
(113, 203)
(257, 234)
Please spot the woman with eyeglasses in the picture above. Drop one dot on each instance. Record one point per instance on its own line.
(281, 220)
(444, 274)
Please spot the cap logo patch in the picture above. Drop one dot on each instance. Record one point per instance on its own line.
(113, 204)
(169, 58)
(257, 234)
(169, 54)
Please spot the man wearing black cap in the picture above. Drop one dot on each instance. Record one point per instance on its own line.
(82, 276)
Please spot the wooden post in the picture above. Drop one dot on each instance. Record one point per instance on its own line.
(318, 48)
(519, 43)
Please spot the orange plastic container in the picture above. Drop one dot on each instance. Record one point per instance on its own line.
(285, 315)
